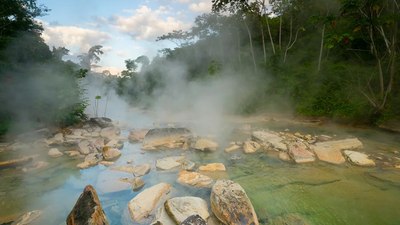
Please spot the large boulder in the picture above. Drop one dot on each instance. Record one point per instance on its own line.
(166, 138)
(87, 209)
(204, 144)
(143, 204)
(230, 204)
(169, 163)
(110, 154)
(251, 146)
(299, 152)
(359, 158)
(331, 151)
(212, 167)
(180, 208)
(194, 179)
(269, 139)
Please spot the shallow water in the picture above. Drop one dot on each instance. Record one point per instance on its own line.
(319, 192)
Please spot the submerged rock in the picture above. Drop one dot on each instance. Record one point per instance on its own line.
(290, 219)
(28, 218)
(87, 209)
(204, 144)
(284, 156)
(143, 204)
(180, 208)
(188, 165)
(330, 151)
(251, 146)
(54, 152)
(90, 160)
(137, 135)
(170, 163)
(139, 170)
(136, 182)
(194, 179)
(299, 153)
(57, 139)
(230, 204)
(359, 158)
(115, 143)
(268, 139)
(213, 167)
(36, 166)
(17, 162)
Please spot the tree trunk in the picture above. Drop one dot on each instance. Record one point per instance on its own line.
(321, 48)
(263, 43)
(251, 46)
(280, 32)
(270, 35)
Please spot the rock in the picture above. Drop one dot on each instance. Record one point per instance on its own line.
(36, 166)
(194, 220)
(110, 154)
(180, 208)
(267, 139)
(284, 156)
(142, 205)
(114, 143)
(110, 132)
(91, 159)
(28, 218)
(162, 218)
(322, 138)
(359, 158)
(98, 143)
(330, 151)
(232, 148)
(251, 146)
(53, 152)
(106, 163)
(194, 179)
(58, 139)
(137, 135)
(136, 182)
(72, 153)
(87, 209)
(85, 147)
(289, 219)
(169, 163)
(166, 138)
(299, 153)
(139, 170)
(188, 165)
(230, 204)
(213, 167)
(17, 162)
(101, 122)
(204, 144)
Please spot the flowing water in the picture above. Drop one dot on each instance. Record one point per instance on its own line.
(318, 192)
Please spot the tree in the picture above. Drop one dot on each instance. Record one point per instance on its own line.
(91, 57)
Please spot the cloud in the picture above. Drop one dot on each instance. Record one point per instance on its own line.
(73, 37)
(147, 24)
(202, 6)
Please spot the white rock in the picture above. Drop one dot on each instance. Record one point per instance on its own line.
(54, 152)
(181, 208)
(267, 138)
(204, 144)
(169, 163)
(359, 158)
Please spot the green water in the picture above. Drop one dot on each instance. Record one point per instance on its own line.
(318, 192)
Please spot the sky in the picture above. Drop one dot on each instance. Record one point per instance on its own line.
(125, 28)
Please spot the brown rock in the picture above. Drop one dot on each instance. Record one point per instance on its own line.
(194, 179)
(87, 209)
(251, 146)
(299, 153)
(231, 205)
(204, 144)
(213, 167)
(137, 135)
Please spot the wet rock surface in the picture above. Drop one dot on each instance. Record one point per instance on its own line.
(330, 151)
(203, 144)
(359, 158)
(180, 208)
(166, 138)
(269, 139)
(300, 153)
(169, 163)
(212, 167)
(194, 220)
(194, 179)
(28, 218)
(251, 147)
(230, 204)
(143, 204)
(87, 209)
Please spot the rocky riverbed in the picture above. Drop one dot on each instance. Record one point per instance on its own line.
(170, 175)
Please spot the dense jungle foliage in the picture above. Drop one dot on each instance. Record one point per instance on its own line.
(37, 87)
(331, 58)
